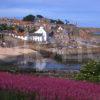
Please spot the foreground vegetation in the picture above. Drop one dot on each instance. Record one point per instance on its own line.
(11, 95)
(44, 88)
(90, 72)
(15, 84)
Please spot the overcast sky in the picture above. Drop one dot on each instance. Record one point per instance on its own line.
(82, 12)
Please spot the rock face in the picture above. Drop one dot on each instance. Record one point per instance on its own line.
(88, 33)
(84, 34)
(63, 33)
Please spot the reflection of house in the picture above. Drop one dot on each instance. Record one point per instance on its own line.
(39, 36)
(40, 64)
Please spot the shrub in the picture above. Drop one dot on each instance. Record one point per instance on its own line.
(58, 57)
(12, 95)
(39, 16)
(59, 21)
(90, 72)
(29, 18)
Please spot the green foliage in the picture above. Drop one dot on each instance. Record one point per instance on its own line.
(3, 27)
(39, 16)
(20, 29)
(58, 57)
(66, 22)
(8, 95)
(59, 22)
(6, 27)
(1, 36)
(56, 21)
(52, 21)
(90, 72)
(29, 18)
(32, 30)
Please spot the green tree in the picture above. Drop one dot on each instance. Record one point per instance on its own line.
(90, 72)
(29, 18)
(39, 16)
(66, 22)
(52, 21)
(20, 29)
(3, 27)
(59, 21)
(32, 30)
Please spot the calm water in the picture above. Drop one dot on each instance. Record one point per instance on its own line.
(97, 33)
(48, 65)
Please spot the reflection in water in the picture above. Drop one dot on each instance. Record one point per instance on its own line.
(43, 64)
(48, 65)
(40, 64)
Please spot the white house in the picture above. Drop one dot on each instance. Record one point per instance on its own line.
(22, 37)
(40, 35)
(25, 37)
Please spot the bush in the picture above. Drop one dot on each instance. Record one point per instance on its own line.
(52, 21)
(59, 21)
(11, 95)
(90, 72)
(6, 27)
(58, 57)
(39, 16)
(29, 18)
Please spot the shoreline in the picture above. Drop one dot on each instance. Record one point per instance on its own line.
(14, 51)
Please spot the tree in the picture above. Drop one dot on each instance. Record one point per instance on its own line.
(6, 27)
(52, 21)
(32, 30)
(90, 72)
(66, 22)
(10, 28)
(3, 27)
(51, 34)
(20, 29)
(59, 22)
(39, 16)
(29, 18)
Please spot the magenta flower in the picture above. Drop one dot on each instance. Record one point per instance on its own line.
(47, 88)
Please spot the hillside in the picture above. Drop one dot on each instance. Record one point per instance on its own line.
(62, 33)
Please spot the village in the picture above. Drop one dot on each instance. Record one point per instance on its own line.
(42, 30)
(65, 43)
(50, 50)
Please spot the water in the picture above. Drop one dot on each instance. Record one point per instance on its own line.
(32, 62)
(50, 65)
(43, 64)
(63, 67)
(97, 33)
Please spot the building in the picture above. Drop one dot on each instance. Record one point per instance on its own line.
(39, 36)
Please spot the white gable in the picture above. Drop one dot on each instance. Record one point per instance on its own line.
(43, 32)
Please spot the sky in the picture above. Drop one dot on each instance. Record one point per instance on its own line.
(85, 13)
